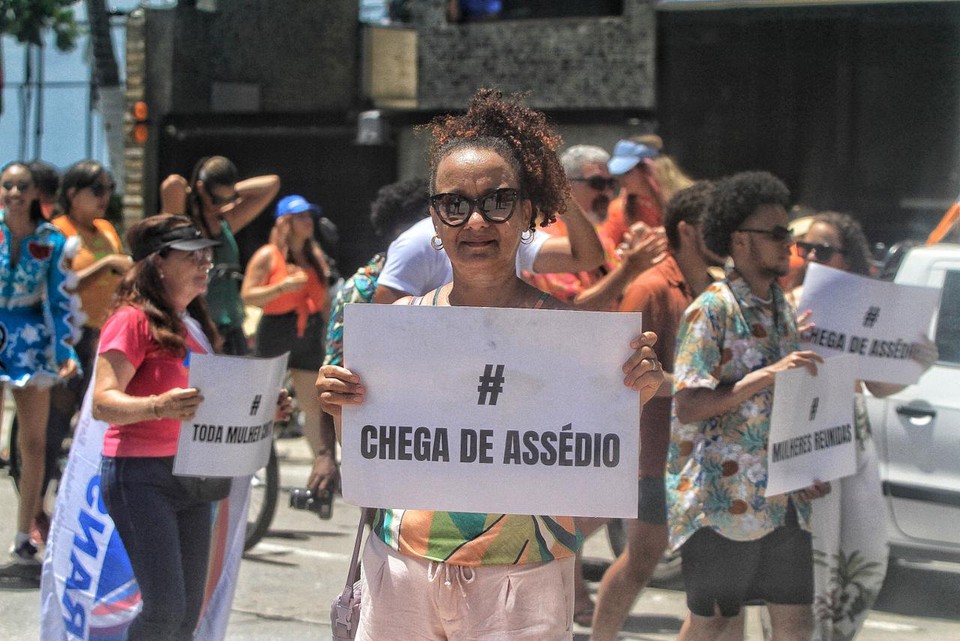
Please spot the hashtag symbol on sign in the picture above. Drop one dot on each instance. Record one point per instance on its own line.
(490, 384)
(871, 318)
(813, 408)
(255, 405)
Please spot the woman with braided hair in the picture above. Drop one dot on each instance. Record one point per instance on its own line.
(494, 176)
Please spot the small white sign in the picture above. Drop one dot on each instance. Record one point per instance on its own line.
(231, 433)
(812, 432)
(471, 409)
(877, 321)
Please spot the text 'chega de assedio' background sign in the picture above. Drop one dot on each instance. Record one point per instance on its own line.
(472, 409)
(877, 321)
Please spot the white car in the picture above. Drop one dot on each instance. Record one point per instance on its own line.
(917, 430)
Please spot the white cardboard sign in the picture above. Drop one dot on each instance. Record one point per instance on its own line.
(231, 433)
(878, 321)
(471, 409)
(812, 434)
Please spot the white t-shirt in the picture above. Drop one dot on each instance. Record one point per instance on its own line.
(415, 267)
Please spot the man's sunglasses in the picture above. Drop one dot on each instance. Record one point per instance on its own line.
(496, 206)
(822, 251)
(598, 183)
(778, 234)
(21, 186)
(99, 189)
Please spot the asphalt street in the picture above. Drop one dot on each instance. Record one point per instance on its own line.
(286, 582)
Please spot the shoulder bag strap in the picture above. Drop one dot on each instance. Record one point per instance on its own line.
(353, 574)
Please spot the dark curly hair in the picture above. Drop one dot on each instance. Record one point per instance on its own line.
(855, 248)
(689, 205)
(735, 198)
(520, 135)
(142, 287)
(400, 203)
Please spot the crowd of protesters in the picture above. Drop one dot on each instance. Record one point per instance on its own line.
(504, 219)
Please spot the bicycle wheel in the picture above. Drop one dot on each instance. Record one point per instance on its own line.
(264, 491)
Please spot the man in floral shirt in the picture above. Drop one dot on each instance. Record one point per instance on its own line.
(738, 544)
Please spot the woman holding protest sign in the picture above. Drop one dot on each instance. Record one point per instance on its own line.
(141, 389)
(849, 544)
(494, 176)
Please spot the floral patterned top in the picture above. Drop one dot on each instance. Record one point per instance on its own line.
(717, 468)
(359, 288)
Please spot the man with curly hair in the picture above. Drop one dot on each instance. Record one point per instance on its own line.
(736, 543)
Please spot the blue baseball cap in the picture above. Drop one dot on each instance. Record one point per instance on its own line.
(627, 155)
(295, 204)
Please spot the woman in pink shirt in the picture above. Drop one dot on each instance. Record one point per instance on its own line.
(141, 389)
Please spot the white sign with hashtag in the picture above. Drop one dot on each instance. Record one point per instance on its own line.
(812, 431)
(877, 321)
(509, 411)
(231, 433)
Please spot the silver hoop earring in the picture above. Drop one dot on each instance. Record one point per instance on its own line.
(436, 242)
(526, 236)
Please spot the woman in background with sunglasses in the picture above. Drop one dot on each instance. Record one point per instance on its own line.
(446, 575)
(288, 278)
(99, 264)
(220, 205)
(39, 323)
(848, 524)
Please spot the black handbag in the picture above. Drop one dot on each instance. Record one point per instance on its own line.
(205, 488)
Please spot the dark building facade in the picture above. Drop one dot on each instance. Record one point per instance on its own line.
(854, 106)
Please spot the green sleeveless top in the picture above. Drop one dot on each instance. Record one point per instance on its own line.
(223, 287)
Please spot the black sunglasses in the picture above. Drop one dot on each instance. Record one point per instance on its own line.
(598, 183)
(822, 251)
(496, 206)
(778, 234)
(22, 186)
(99, 189)
(222, 200)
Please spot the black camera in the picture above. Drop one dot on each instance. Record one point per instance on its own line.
(304, 499)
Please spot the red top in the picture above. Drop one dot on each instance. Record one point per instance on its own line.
(662, 295)
(157, 370)
(645, 210)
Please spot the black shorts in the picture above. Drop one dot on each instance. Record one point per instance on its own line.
(652, 506)
(722, 573)
(277, 333)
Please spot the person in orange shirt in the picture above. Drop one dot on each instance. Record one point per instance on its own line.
(99, 265)
(288, 278)
(640, 198)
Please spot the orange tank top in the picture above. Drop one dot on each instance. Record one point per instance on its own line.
(307, 301)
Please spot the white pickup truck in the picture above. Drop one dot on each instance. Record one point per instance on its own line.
(917, 431)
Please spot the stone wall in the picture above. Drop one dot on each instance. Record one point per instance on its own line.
(565, 63)
(298, 55)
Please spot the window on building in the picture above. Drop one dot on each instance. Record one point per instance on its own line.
(477, 10)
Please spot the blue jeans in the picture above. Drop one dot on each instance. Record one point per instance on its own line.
(167, 537)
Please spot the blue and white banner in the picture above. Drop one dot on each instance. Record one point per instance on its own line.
(87, 588)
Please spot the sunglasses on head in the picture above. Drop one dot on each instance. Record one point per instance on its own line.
(21, 186)
(496, 206)
(99, 189)
(777, 234)
(598, 183)
(822, 251)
